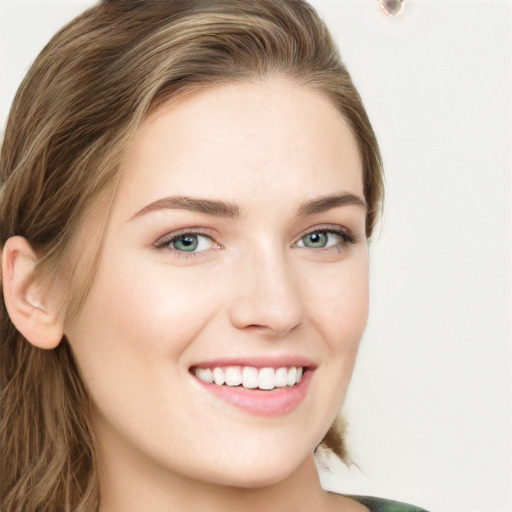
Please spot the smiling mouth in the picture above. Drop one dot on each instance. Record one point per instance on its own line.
(249, 377)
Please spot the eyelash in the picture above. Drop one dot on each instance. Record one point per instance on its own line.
(346, 236)
(165, 242)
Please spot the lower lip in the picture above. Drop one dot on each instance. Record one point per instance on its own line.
(277, 402)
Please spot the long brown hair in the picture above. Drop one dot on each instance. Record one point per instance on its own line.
(74, 114)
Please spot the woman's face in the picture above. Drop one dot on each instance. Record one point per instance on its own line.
(235, 249)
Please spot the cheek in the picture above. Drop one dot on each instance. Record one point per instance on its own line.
(339, 305)
(338, 301)
(130, 337)
(154, 307)
(133, 330)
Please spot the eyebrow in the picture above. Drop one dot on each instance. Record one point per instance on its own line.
(327, 203)
(207, 206)
(225, 209)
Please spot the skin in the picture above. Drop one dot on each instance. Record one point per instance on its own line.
(252, 289)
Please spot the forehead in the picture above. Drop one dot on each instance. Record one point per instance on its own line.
(234, 140)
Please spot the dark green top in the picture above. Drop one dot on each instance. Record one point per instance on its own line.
(381, 505)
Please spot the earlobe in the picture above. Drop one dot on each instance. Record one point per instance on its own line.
(31, 303)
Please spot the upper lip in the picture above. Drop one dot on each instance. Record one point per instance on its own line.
(258, 362)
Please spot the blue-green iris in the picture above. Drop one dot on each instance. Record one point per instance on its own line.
(186, 243)
(316, 240)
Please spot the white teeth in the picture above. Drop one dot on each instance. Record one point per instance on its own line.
(218, 376)
(292, 373)
(233, 375)
(205, 374)
(281, 378)
(250, 377)
(267, 378)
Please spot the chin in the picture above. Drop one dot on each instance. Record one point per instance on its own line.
(259, 472)
(252, 479)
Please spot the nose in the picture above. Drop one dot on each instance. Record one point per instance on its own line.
(266, 295)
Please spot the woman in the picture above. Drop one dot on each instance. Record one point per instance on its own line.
(188, 191)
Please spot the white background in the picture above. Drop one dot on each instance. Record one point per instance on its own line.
(431, 400)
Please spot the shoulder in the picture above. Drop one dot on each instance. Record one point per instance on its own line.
(382, 505)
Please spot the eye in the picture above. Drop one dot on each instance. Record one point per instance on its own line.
(316, 240)
(186, 243)
(325, 239)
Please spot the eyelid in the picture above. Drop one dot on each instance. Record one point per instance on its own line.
(329, 228)
(164, 241)
(346, 235)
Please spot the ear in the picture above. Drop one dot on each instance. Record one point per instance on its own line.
(33, 306)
